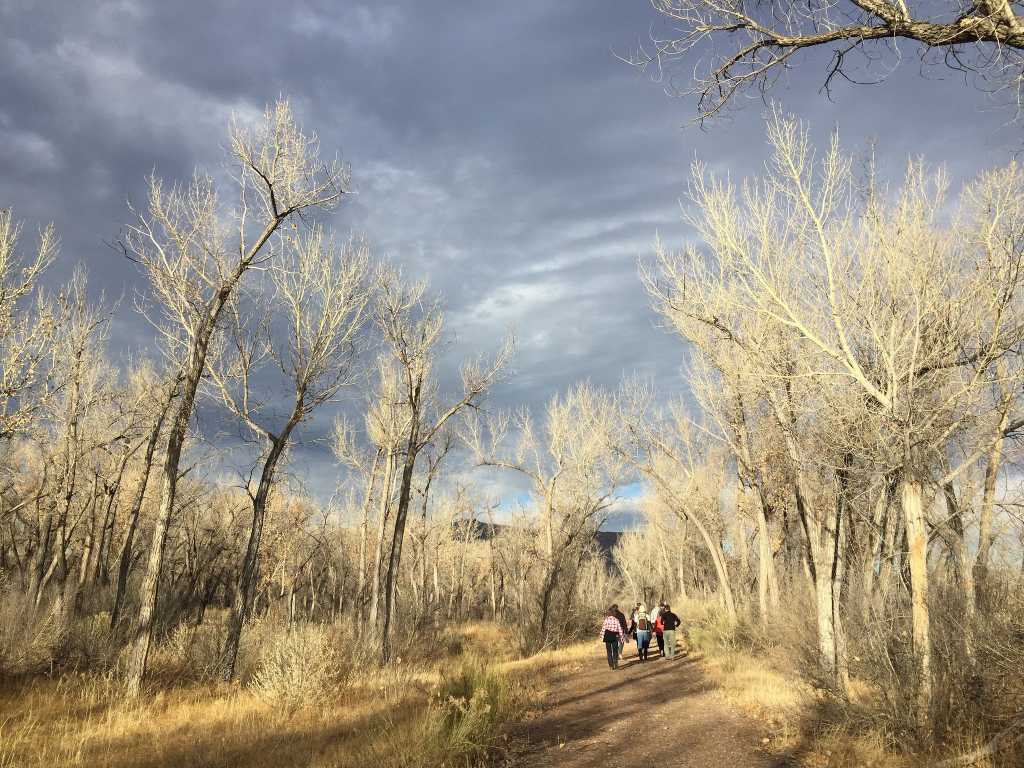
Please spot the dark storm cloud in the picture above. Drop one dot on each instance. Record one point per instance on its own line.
(499, 150)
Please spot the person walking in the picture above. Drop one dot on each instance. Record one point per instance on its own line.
(632, 620)
(622, 623)
(670, 623)
(659, 628)
(613, 636)
(643, 634)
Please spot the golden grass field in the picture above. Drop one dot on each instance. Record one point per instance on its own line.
(446, 710)
(445, 705)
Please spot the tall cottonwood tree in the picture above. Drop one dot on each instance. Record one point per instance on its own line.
(891, 315)
(80, 378)
(307, 327)
(27, 325)
(195, 252)
(411, 327)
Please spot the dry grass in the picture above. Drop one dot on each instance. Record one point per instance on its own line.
(436, 707)
(763, 678)
(758, 689)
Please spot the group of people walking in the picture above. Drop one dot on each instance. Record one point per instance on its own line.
(660, 623)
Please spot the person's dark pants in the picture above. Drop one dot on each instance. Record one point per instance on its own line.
(612, 646)
(661, 643)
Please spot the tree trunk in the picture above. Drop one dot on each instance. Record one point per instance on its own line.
(38, 562)
(102, 572)
(364, 527)
(89, 546)
(148, 591)
(825, 571)
(424, 598)
(917, 544)
(876, 548)
(765, 567)
(125, 558)
(956, 539)
(547, 592)
(245, 590)
(985, 538)
(385, 515)
(841, 538)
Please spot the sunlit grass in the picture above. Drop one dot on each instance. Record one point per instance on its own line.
(448, 710)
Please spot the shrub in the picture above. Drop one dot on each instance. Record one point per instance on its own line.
(298, 668)
(460, 726)
(473, 704)
(88, 644)
(30, 637)
(188, 653)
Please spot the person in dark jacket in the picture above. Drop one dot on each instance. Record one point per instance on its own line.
(622, 623)
(669, 623)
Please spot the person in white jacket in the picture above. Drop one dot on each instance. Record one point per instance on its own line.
(643, 633)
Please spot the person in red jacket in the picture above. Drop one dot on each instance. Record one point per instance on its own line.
(659, 628)
(670, 623)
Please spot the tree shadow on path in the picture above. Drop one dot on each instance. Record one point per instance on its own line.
(660, 710)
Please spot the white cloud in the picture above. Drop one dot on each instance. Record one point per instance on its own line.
(155, 105)
(29, 150)
(358, 26)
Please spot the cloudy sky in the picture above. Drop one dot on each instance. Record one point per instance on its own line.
(498, 149)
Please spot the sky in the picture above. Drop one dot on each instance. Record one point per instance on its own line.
(502, 151)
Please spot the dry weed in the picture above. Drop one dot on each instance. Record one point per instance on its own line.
(298, 669)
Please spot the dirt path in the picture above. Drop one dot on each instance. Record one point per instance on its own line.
(660, 712)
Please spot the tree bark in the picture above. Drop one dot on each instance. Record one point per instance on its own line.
(358, 603)
(125, 557)
(876, 547)
(402, 513)
(985, 538)
(245, 590)
(917, 543)
(385, 516)
(767, 591)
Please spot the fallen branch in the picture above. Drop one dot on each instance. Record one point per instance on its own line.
(1005, 739)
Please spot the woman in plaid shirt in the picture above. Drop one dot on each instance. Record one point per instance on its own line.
(613, 636)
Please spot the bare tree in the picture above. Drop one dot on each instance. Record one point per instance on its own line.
(78, 372)
(194, 265)
(322, 292)
(687, 476)
(572, 472)
(26, 329)
(877, 313)
(412, 331)
(743, 45)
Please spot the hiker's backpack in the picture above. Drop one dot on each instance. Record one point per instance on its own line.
(642, 623)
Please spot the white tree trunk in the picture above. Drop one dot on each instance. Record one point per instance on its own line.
(917, 543)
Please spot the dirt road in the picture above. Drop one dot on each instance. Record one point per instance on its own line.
(660, 713)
